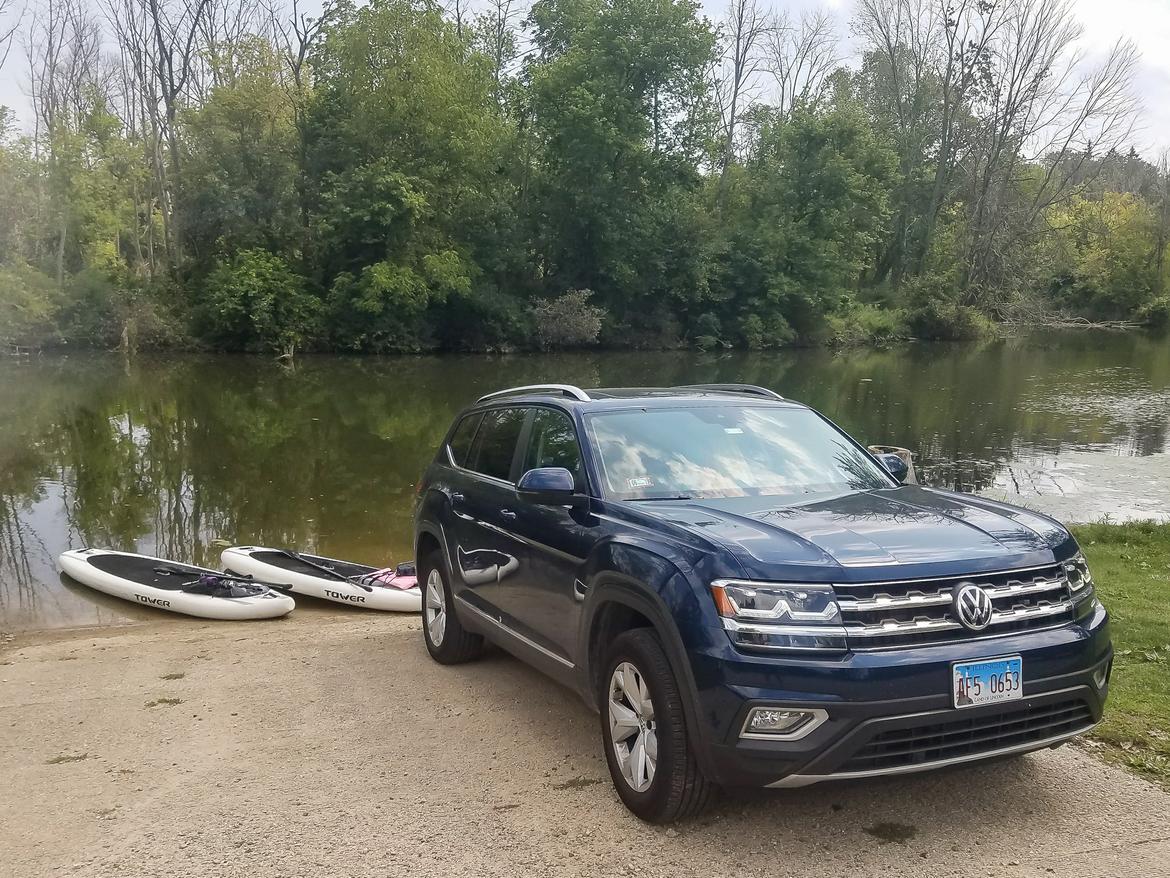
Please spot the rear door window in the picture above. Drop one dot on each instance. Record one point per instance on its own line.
(460, 444)
(495, 442)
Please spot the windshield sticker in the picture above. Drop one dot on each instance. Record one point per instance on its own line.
(736, 430)
(643, 482)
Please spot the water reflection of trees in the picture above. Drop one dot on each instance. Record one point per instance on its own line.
(168, 455)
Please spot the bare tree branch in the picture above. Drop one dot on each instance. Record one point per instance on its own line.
(8, 31)
(801, 56)
(1044, 107)
(745, 29)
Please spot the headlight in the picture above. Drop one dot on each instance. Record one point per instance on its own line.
(1080, 580)
(765, 615)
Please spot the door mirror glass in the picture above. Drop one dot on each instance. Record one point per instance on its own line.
(894, 465)
(549, 486)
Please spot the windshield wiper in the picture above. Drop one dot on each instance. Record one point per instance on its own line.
(659, 499)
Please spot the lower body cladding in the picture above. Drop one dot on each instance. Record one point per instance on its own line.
(909, 721)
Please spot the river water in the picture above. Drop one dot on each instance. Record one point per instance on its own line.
(171, 454)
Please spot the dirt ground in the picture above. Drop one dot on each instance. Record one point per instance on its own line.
(330, 745)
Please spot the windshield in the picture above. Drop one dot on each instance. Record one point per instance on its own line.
(726, 451)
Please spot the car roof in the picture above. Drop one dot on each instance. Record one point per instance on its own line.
(624, 397)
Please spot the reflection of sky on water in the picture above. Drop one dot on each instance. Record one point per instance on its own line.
(32, 538)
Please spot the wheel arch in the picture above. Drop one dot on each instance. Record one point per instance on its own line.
(617, 603)
(426, 541)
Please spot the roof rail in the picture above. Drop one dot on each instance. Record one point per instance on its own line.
(567, 389)
(753, 389)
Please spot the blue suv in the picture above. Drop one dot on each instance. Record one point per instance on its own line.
(748, 596)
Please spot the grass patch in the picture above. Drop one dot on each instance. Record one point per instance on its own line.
(1131, 569)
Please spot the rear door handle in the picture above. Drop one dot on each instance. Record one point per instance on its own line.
(508, 514)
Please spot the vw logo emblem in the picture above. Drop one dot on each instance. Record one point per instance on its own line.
(972, 606)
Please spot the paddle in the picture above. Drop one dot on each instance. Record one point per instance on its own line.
(298, 557)
(226, 577)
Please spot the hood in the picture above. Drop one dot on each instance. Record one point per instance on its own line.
(941, 532)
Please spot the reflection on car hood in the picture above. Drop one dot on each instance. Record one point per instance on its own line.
(898, 526)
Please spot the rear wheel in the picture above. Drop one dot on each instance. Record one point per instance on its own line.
(447, 640)
(645, 735)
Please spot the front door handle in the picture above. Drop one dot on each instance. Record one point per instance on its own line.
(508, 514)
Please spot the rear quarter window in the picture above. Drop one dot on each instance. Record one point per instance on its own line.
(460, 444)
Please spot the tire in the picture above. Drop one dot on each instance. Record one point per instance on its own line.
(677, 788)
(447, 641)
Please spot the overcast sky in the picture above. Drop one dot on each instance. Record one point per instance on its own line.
(1146, 22)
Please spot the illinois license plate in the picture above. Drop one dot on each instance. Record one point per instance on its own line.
(987, 681)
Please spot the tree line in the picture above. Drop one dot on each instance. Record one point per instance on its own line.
(403, 176)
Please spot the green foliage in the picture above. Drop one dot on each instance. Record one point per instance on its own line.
(239, 177)
(254, 301)
(1107, 264)
(106, 308)
(933, 313)
(865, 324)
(1155, 313)
(757, 333)
(567, 321)
(29, 302)
(413, 182)
(936, 320)
(408, 169)
(804, 217)
(614, 98)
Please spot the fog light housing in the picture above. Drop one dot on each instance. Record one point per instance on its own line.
(1101, 675)
(781, 723)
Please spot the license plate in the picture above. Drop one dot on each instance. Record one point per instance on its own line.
(987, 681)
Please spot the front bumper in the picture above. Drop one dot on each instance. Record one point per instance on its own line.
(890, 712)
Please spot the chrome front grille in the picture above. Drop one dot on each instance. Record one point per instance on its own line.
(880, 615)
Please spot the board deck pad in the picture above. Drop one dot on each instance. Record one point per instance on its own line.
(142, 570)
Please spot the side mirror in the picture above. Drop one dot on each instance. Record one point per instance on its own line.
(550, 486)
(894, 465)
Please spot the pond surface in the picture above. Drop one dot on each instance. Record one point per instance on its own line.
(170, 454)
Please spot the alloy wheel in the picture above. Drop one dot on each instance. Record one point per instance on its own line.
(632, 726)
(436, 608)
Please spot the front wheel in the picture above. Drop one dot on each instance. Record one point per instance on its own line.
(644, 732)
(447, 640)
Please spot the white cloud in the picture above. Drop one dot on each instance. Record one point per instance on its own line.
(1147, 24)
